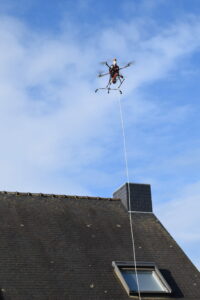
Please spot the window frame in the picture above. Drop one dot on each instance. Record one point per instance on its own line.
(141, 266)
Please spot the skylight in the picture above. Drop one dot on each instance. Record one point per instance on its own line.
(150, 279)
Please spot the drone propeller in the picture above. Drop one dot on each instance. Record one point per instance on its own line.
(130, 63)
(103, 62)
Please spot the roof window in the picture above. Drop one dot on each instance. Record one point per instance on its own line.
(150, 279)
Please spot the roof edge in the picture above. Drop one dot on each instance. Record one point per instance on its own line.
(57, 196)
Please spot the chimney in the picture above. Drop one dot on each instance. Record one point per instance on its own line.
(140, 196)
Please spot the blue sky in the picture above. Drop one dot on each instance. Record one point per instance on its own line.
(58, 136)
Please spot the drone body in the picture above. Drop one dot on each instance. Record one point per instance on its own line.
(115, 75)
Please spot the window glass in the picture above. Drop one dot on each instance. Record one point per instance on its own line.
(148, 280)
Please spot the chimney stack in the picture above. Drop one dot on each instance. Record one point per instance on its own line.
(140, 196)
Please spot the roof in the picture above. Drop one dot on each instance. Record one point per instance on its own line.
(61, 247)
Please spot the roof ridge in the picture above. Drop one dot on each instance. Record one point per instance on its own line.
(56, 195)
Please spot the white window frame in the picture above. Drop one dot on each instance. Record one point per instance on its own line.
(140, 266)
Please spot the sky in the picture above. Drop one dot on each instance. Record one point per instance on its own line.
(58, 136)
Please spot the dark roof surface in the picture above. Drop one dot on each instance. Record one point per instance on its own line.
(62, 247)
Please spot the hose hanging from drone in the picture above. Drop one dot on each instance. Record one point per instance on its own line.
(114, 76)
(129, 200)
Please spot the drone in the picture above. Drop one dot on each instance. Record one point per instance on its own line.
(115, 75)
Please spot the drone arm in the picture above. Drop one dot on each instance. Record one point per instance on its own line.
(126, 66)
(101, 75)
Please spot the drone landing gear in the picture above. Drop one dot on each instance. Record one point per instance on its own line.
(109, 89)
(121, 81)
